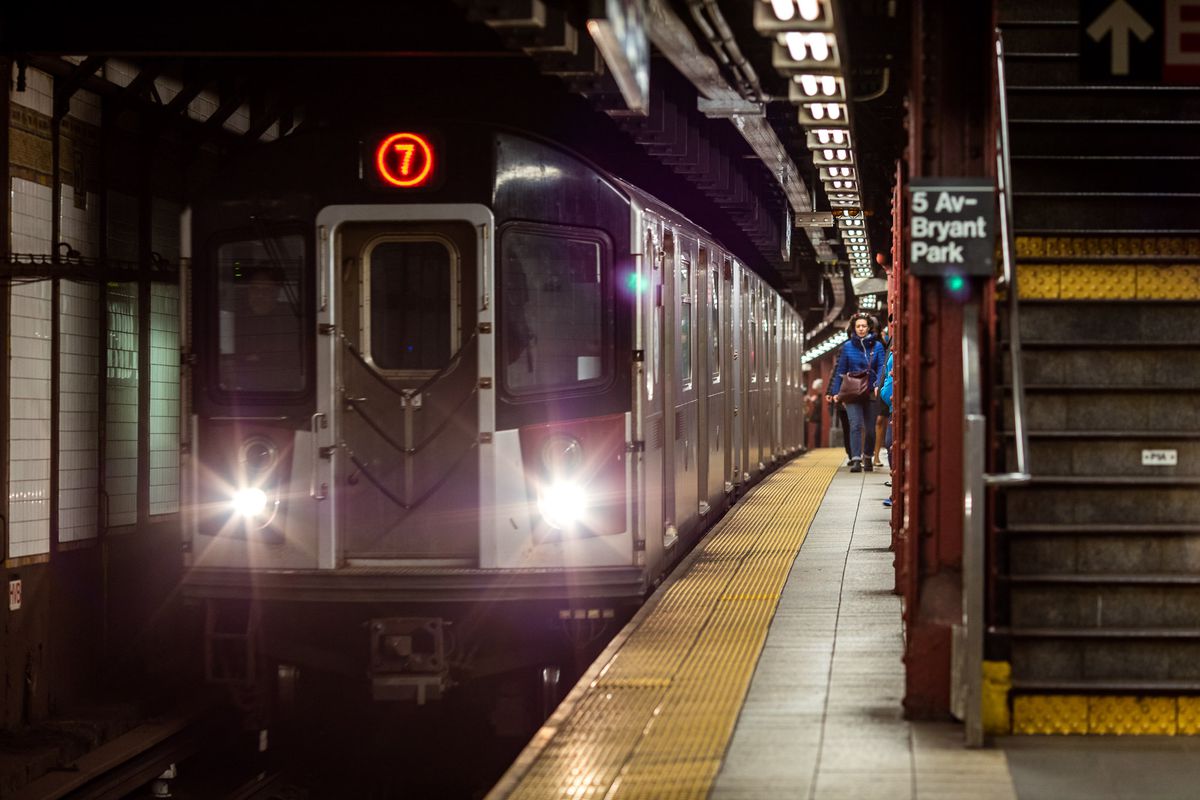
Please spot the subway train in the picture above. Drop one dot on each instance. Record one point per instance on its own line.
(449, 390)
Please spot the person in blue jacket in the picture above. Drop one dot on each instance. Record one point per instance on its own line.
(862, 352)
(885, 394)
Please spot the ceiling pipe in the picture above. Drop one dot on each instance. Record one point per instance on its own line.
(671, 36)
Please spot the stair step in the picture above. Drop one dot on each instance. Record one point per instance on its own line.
(1144, 414)
(1099, 529)
(1092, 102)
(1102, 434)
(1149, 325)
(1154, 663)
(1108, 458)
(1041, 36)
(1094, 212)
(1117, 176)
(1036, 12)
(1047, 137)
(1102, 686)
(1140, 388)
(1098, 633)
(1085, 554)
(1105, 579)
(1110, 481)
(1042, 504)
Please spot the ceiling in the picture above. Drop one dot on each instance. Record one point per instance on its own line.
(309, 66)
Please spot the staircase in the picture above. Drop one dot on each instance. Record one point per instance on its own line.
(1096, 567)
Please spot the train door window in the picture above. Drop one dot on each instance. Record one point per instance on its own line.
(685, 321)
(666, 256)
(410, 299)
(554, 305)
(752, 304)
(714, 324)
(261, 314)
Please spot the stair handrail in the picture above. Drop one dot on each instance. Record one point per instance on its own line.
(1008, 279)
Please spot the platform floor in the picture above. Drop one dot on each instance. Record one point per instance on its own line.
(793, 688)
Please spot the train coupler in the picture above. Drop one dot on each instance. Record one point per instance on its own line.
(408, 659)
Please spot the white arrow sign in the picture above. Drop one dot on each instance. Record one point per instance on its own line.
(1119, 21)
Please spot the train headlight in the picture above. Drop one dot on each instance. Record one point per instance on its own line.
(249, 503)
(562, 504)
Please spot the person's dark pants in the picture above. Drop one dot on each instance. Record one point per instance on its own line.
(845, 423)
(862, 428)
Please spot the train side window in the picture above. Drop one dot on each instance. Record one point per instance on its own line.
(685, 321)
(411, 303)
(261, 313)
(555, 299)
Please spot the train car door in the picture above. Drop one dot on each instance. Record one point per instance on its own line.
(404, 400)
(667, 347)
(655, 471)
(714, 468)
(737, 361)
(685, 370)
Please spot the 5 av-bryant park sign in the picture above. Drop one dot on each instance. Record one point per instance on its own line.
(951, 222)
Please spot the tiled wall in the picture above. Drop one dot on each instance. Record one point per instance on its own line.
(29, 420)
(31, 214)
(164, 399)
(78, 410)
(121, 463)
(86, 356)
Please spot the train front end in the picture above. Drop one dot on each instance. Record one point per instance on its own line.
(409, 437)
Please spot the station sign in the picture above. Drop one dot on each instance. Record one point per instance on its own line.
(952, 226)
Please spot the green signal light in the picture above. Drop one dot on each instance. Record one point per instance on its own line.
(956, 283)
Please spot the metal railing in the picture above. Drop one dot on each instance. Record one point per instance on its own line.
(969, 636)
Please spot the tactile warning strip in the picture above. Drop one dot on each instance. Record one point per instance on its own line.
(1122, 278)
(1111, 715)
(656, 719)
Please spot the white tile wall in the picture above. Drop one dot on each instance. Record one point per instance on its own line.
(120, 72)
(122, 227)
(31, 215)
(121, 462)
(164, 233)
(80, 227)
(78, 411)
(29, 420)
(85, 106)
(39, 90)
(239, 121)
(167, 88)
(203, 105)
(164, 398)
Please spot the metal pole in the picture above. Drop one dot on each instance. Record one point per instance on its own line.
(974, 438)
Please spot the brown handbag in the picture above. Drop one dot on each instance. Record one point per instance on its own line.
(854, 386)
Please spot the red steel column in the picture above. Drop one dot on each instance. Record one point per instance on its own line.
(949, 106)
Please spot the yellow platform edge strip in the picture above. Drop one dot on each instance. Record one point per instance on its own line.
(1105, 715)
(654, 716)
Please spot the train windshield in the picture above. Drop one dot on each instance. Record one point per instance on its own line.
(261, 315)
(554, 301)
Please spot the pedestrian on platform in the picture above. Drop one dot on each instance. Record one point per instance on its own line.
(856, 381)
(886, 393)
(883, 412)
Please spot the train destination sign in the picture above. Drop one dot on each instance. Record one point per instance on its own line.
(952, 226)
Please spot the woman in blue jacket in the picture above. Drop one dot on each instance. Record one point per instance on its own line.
(863, 352)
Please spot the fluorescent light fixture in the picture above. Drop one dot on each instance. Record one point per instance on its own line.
(784, 10)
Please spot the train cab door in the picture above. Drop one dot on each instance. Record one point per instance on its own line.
(685, 427)
(407, 294)
(750, 390)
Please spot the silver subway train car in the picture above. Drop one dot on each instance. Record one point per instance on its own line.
(452, 389)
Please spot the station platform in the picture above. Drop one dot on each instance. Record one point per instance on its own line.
(769, 665)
